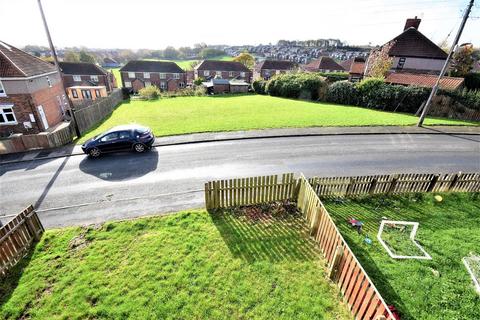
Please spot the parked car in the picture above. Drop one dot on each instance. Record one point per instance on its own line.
(121, 138)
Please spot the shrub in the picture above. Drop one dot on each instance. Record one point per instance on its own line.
(370, 91)
(468, 98)
(198, 81)
(259, 86)
(472, 81)
(334, 76)
(342, 92)
(298, 85)
(150, 92)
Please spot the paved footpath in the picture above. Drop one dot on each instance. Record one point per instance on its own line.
(72, 149)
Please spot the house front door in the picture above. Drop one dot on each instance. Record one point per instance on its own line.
(42, 117)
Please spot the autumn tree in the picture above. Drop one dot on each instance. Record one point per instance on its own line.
(71, 56)
(246, 59)
(379, 62)
(462, 61)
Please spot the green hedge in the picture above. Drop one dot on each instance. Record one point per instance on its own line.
(310, 86)
(259, 86)
(472, 81)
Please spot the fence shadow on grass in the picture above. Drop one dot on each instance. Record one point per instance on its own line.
(266, 238)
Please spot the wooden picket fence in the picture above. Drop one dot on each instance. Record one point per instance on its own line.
(359, 292)
(246, 191)
(17, 236)
(395, 183)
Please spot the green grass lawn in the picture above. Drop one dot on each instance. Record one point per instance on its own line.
(449, 230)
(190, 265)
(170, 116)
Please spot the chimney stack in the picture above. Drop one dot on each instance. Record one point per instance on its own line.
(415, 23)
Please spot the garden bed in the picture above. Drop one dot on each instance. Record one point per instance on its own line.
(252, 262)
(449, 230)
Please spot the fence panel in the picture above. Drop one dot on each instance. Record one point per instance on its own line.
(359, 292)
(17, 236)
(247, 191)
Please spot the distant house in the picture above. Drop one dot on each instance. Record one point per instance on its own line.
(268, 68)
(209, 69)
(86, 80)
(324, 64)
(356, 70)
(32, 99)
(110, 63)
(413, 52)
(138, 74)
(424, 80)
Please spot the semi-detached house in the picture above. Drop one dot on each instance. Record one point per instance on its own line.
(210, 69)
(138, 74)
(32, 99)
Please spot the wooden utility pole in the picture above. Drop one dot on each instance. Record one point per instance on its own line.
(445, 66)
(57, 66)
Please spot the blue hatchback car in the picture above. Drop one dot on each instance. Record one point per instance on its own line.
(122, 138)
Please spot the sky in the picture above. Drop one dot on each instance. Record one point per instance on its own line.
(150, 24)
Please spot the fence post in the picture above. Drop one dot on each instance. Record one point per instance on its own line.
(373, 185)
(350, 185)
(433, 183)
(393, 184)
(454, 181)
(207, 196)
(337, 257)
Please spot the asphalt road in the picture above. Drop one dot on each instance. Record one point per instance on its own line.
(77, 190)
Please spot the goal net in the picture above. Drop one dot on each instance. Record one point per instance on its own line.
(472, 263)
(398, 239)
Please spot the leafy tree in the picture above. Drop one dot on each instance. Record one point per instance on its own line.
(150, 92)
(379, 62)
(170, 53)
(246, 59)
(462, 61)
(86, 57)
(198, 81)
(71, 56)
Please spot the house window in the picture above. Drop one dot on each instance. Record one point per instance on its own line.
(401, 63)
(128, 84)
(230, 74)
(2, 90)
(219, 73)
(148, 83)
(163, 85)
(6, 115)
(206, 73)
(74, 93)
(242, 74)
(86, 94)
(48, 81)
(77, 78)
(146, 75)
(97, 93)
(94, 78)
(131, 75)
(176, 76)
(163, 76)
(181, 84)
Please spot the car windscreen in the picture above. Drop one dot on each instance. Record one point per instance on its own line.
(142, 130)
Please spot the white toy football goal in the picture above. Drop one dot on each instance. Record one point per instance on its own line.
(472, 263)
(397, 242)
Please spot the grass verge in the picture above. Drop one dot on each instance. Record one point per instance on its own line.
(245, 112)
(449, 230)
(190, 265)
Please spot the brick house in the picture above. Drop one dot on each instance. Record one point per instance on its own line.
(356, 70)
(32, 98)
(414, 53)
(268, 68)
(138, 74)
(88, 74)
(324, 64)
(209, 69)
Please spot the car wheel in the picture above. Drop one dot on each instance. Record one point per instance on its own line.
(94, 152)
(138, 147)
